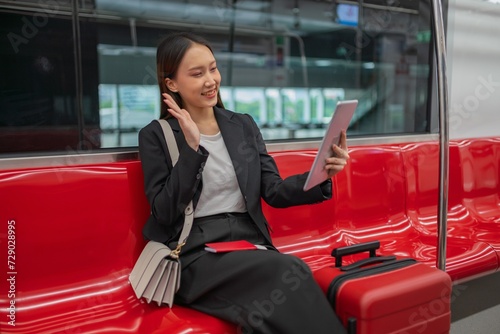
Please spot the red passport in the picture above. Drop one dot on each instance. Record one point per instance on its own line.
(229, 246)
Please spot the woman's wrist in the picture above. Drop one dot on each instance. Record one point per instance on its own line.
(326, 188)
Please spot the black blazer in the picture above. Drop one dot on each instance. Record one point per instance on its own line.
(169, 190)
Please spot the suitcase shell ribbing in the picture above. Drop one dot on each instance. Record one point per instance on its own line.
(406, 300)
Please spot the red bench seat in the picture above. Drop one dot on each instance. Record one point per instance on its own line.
(466, 228)
(375, 198)
(78, 232)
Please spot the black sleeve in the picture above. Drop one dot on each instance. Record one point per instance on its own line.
(279, 192)
(168, 189)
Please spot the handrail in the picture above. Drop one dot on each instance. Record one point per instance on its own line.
(440, 48)
(103, 156)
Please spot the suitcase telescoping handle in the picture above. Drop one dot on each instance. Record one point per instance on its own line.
(370, 246)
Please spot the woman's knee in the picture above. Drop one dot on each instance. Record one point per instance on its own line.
(291, 271)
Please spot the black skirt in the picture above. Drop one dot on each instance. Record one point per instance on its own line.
(260, 291)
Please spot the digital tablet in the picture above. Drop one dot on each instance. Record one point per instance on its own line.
(340, 121)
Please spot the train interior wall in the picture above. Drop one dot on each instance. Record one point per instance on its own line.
(475, 306)
(474, 74)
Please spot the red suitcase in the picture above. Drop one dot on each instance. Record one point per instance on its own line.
(384, 295)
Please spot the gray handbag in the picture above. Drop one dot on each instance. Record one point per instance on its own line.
(157, 273)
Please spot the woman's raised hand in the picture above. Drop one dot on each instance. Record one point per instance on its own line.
(188, 126)
(338, 160)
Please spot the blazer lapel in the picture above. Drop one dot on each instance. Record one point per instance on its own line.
(232, 133)
(174, 124)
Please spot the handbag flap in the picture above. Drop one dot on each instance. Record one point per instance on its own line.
(153, 284)
(146, 265)
(171, 289)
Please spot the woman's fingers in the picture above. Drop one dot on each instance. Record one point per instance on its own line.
(181, 114)
(335, 165)
(340, 155)
(174, 109)
(343, 140)
(188, 126)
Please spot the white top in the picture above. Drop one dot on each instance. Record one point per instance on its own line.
(221, 192)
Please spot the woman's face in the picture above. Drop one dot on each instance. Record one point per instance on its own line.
(197, 79)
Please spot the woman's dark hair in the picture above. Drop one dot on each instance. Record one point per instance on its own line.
(169, 54)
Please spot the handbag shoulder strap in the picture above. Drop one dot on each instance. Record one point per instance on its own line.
(189, 211)
(170, 139)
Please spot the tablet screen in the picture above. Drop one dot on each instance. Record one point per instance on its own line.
(340, 121)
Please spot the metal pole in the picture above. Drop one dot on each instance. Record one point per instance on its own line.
(232, 26)
(77, 52)
(440, 48)
(303, 58)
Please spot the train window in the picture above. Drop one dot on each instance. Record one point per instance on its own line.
(286, 63)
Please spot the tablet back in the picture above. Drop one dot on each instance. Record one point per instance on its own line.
(340, 121)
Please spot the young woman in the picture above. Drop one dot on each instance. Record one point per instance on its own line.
(225, 169)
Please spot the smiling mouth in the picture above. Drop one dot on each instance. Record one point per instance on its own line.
(209, 93)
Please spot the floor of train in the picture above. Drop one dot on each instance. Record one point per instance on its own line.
(475, 306)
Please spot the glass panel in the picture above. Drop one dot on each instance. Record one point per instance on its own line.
(123, 110)
(37, 84)
(285, 63)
